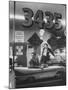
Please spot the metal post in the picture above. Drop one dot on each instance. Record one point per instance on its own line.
(14, 35)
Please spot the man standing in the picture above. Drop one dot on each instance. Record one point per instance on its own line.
(45, 54)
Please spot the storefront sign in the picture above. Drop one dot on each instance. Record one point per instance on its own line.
(20, 52)
(53, 20)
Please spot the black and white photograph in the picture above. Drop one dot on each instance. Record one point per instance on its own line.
(37, 44)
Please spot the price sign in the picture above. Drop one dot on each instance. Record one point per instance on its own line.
(19, 36)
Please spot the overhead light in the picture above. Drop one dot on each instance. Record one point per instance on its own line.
(19, 17)
(41, 33)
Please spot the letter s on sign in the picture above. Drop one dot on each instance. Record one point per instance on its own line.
(28, 13)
